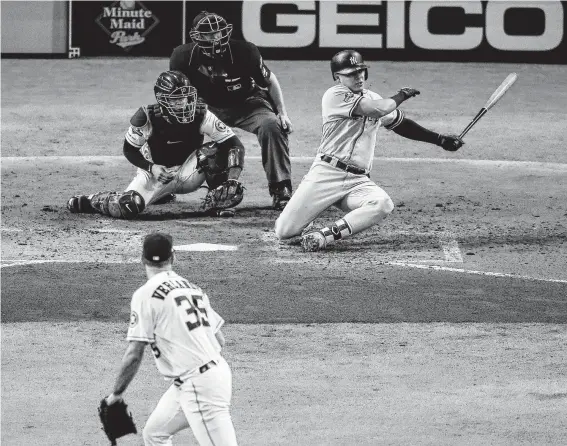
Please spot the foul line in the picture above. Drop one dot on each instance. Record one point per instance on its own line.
(472, 162)
(469, 271)
(11, 263)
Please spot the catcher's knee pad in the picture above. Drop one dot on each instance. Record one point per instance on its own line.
(205, 153)
(125, 205)
(215, 163)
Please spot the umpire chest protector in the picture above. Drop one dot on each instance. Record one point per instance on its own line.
(171, 144)
(227, 81)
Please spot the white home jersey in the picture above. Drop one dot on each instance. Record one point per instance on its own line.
(176, 318)
(348, 137)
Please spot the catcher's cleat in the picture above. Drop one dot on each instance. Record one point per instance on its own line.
(313, 241)
(80, 204)
(280, 197)
(226, 213)
(166, 199)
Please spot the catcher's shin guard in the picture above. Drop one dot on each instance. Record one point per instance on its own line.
(125, 205)
(236, 157)
(216, 162)
(80, 204)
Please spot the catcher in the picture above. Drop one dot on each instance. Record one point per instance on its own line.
(165, 143)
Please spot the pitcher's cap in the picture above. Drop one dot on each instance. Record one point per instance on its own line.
(158, 247)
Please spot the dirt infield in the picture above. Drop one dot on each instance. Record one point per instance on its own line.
(445, 325)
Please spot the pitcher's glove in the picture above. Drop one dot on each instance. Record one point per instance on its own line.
(452, 143)
(116, 420)
(227, 195)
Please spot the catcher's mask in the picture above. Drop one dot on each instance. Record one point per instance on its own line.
(347, 62)
(176, 96)
(211, 33)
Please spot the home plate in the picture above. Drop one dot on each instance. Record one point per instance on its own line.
(205, 247)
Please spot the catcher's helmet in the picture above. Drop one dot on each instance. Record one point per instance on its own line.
(176, 96)
(347, 62)
(211, 33)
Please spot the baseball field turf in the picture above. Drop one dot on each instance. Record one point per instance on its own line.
(443, 326)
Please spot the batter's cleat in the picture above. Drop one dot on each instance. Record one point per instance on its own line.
(313, 241)
(166, 199)
(280, 197)
(80, 204)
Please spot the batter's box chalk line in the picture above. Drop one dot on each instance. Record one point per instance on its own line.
(451, 252)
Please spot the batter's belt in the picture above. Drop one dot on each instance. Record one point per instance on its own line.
(343, 166)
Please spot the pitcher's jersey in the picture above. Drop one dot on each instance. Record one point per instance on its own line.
(176, 318)
(171, 144)
(348, 137)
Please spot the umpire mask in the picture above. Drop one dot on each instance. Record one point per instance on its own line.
(211, 34)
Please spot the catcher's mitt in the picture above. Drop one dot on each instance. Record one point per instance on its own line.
(116, 420)
(227, 195)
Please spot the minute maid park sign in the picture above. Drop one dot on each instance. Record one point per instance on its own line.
(127, 23)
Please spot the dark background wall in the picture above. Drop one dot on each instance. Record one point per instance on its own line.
(482, 31)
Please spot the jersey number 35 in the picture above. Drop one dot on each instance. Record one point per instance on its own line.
(194, 310)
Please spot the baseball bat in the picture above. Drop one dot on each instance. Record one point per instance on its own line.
(492, 100)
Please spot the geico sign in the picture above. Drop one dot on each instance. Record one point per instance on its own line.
(304, 30)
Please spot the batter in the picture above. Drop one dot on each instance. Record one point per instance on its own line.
(340, 173)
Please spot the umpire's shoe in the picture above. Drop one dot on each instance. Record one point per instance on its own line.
(280, 197)
(80, 204)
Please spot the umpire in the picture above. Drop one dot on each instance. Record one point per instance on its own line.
(241, 91)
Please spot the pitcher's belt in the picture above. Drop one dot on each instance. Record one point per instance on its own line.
(178, 381)
(343, 166)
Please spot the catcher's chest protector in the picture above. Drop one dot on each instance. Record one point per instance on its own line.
(171, 144)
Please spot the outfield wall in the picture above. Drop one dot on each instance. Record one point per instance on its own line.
(462, 31)
(34, 27)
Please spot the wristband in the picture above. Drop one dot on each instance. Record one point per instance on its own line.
(150, 165)
(398, 98)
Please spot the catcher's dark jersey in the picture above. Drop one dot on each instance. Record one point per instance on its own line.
(171, 144)
(226, 83)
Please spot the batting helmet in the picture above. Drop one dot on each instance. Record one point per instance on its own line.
(211, 33)
(347, 62)
(176, 96)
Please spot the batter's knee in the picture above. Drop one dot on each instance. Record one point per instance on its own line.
(284, 229)
(383, 206)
